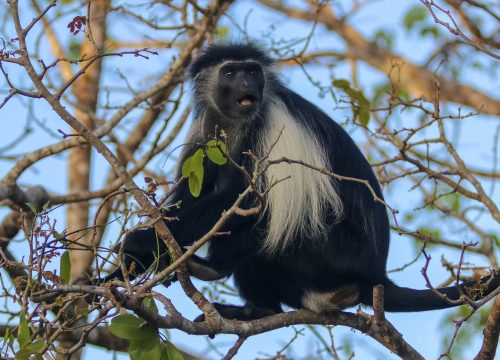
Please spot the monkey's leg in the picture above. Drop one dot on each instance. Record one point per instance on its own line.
(261, 298)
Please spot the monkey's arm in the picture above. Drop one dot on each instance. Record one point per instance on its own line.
(143, 250)
(201, 269)
(139, 263)
(196, 216)
(198, 267)
(191, 219)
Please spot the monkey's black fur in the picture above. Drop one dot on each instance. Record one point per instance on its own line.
(236, 89)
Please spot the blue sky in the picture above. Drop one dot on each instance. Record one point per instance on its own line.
(423, 331)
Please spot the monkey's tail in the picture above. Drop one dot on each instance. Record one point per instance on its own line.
(402, 299)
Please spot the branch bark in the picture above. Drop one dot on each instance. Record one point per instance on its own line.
(491, 333)
(86, 90)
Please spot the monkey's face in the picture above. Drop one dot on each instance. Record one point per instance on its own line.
(239, 89)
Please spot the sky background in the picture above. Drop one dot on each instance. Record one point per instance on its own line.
(423, 331)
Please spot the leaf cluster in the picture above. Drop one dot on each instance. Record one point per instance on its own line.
(360, 104)
(144, 340)
(192, 168)
(27, 347)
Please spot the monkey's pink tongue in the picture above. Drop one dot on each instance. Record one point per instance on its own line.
(245, 102)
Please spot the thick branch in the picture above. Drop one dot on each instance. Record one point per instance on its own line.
(491, 333)
(86, 90)
(381, 330)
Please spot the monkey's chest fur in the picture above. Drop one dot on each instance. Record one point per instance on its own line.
(318, 270)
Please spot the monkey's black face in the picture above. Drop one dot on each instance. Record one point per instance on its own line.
(239, 89)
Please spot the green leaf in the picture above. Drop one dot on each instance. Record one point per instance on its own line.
(23, 354)
(415, 15)
(355, 113)
(359, 97)
(149, 302)
(35, 346)
(65, 268)
(361, 104)
(214, 152)
(59, 237)
(404, 95)
(195, 184)
(186, 167)
(384, 38)
(170, 352)
(455, 203)
(84, 312)
(346, 347)
(341, 83)
(46, 206)
(364, 116)
(196, 175)
(32, 207)
(222, 31)
(11, 341)
(23, 332)
(192, 168)
(6, 335)
(380, 91)
(197, 161)
(430, 30)
(130, 327)
(146, 349)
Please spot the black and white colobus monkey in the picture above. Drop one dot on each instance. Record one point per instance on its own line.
(320, 244)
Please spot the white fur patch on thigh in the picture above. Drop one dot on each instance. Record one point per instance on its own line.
(331, 301)
(318, 302)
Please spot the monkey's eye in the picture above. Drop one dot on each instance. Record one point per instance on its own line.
(229, 73)
(253, 72)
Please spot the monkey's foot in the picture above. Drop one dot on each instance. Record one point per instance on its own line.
(243, 313)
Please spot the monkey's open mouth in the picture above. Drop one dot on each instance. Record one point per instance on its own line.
(247, 100)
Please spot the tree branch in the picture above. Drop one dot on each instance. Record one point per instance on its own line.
(491, 333)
